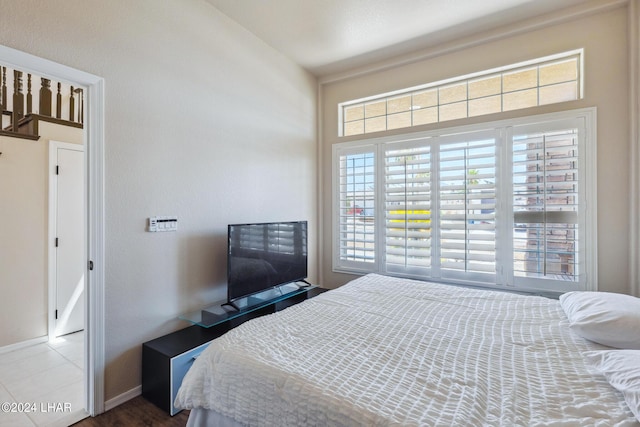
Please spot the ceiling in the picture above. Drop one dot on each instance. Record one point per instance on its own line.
(331, 36)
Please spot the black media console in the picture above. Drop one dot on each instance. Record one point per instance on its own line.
(166, 360)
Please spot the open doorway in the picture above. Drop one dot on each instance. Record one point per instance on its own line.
(92, 239)
(51, 371)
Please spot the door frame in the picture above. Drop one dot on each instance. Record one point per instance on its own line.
(53, 225)
(94, 355)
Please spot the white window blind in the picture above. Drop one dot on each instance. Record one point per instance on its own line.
(504, 205)
(356, 218)
(467, 183)
(546, 205)
(407, 205)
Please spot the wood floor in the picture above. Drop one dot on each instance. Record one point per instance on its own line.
(134, 413)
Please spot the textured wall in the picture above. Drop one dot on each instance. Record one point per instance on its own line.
(203, 121)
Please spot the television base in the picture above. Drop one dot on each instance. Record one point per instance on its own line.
(306, 284)
(230, 304)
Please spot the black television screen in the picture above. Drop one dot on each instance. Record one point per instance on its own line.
(261, 256)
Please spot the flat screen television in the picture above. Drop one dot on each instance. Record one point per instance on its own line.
(265, 255)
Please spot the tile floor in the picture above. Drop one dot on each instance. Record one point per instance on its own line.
(49, 378)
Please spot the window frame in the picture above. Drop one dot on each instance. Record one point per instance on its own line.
(351, 266)
(503, 130)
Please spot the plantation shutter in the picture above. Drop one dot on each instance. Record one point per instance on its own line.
(407, 210)
(546, 205)
(356, 216)
(467, 195)
(501, 206)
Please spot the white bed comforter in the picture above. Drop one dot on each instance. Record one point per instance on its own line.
(385, 351)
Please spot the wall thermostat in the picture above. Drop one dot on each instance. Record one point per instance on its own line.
(163, 223)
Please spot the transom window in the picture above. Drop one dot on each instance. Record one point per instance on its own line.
(500, 204)
(541, 81)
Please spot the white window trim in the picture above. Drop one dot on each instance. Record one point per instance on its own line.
(350, 267)
(589, 180)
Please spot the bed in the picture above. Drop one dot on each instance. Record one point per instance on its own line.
(382, 351)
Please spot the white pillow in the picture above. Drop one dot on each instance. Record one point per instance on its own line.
(621, 368)
(604, 317)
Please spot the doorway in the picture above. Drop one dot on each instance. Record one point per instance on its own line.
(93, 162)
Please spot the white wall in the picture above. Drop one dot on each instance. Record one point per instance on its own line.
(24, 190)
(203, 121)
(606, 86)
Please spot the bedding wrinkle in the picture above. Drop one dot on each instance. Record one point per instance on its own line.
(382, 351)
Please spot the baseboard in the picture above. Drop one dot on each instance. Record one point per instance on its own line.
(122, 398)
(23, 344)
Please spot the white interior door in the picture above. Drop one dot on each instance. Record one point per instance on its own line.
(69, 239)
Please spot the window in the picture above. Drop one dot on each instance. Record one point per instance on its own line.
(546, 203)
(407, 209)
(501, 205)
(541, 81)
(356, 216)
(467, 195)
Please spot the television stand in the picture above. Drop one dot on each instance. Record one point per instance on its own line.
(166, 360)
(265, 296)
(223, 311)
